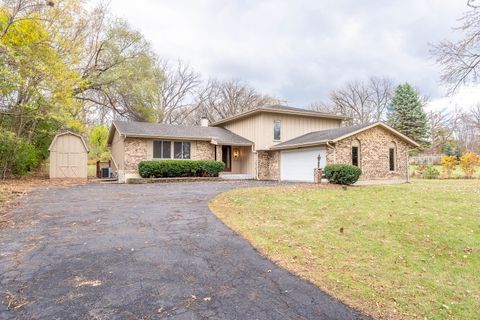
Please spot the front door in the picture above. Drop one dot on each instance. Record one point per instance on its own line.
(227, 157)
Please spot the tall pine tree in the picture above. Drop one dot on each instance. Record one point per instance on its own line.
(406, 113)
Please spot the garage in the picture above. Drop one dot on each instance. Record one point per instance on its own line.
(298, 164)
(68, 156)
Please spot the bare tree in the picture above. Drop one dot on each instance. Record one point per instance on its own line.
(460, 60)
(364, 102)
(178, 92)
(441, 126)
(222, 99)
(476, 115)
(466, 130)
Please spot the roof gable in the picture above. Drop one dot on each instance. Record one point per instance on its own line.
(68, 133)
(279, 109)
(337, 134)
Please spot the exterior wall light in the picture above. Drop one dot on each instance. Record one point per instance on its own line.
(236, 154)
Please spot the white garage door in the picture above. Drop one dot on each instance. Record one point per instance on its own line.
(298, 165)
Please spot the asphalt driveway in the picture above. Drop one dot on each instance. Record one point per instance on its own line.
(142, 252)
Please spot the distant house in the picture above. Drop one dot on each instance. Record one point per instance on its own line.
(269, 143)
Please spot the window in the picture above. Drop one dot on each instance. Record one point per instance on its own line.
(162, 149)
(167, 149)
(391, 156)
(355, 156)
(181, 150)
(157, 149)
(276, 130)
(355, 153)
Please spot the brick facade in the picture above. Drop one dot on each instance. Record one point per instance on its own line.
(268, 165)
(135, 151)
(203, 150)
(374, 154)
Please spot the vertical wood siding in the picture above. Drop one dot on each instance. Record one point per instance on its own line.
(259, 128)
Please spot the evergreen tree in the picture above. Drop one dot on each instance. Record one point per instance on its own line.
(447, 149)
(406, 113)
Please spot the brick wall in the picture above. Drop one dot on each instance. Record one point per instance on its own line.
(135, 151)
(203, 150)
(268, 165)
(374, 154)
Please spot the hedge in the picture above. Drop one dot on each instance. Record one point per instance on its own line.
(180, 168)
(342, 173)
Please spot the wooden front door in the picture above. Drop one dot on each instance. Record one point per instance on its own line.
(227, 157)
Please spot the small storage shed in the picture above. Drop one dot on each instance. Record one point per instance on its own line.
(68, 156)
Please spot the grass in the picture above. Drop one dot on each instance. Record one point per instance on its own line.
(395, 252)
(457, 173)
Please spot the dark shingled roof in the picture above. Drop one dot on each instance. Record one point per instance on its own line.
(281, 110)
(160, 130)
(321, 136)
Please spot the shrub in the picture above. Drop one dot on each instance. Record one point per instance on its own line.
(180, 168)
(342, 173)
(448, 164)
(468, 161)
(430, 173)
(17, 156)
(420, 169)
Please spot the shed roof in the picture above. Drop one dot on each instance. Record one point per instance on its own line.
(334, 135)
(215, 135)
(281, 110)
(68, 133)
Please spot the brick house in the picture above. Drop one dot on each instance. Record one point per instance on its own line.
(268, 143)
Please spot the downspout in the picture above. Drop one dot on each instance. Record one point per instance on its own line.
(334, 151)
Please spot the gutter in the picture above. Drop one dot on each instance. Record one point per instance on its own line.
(298, 145)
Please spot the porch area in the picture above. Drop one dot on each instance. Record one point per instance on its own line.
(239, 162)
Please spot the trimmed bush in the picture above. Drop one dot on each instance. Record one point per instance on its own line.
(342, 173)
(430, 173)
(180, 168)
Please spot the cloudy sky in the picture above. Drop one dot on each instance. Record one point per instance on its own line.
(299, 50)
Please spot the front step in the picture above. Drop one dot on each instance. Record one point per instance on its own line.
(236, 176)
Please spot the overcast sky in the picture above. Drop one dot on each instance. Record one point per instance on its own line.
(299, 50)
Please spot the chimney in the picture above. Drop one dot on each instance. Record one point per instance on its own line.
(204, 122)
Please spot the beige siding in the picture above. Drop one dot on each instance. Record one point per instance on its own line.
(250, 128)
(245, 163)
(118, 152)
(259, 128)
(68, 157)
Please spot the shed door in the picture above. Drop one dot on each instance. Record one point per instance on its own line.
(298, 164)
(68, 159)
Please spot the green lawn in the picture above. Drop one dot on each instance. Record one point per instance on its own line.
(395, 252)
